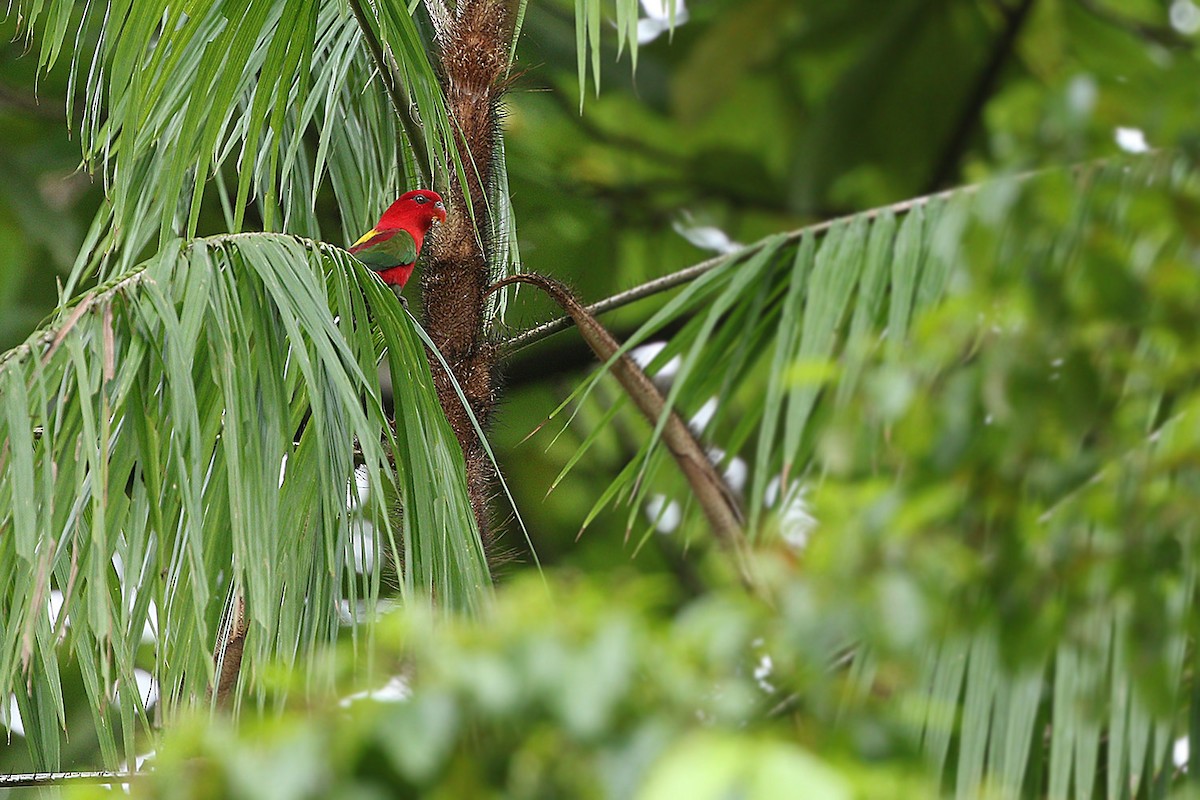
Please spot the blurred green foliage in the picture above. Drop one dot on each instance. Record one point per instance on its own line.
(1023, 466)
(643, 697)
(1024, 461)
(45, 203)
(760, 116)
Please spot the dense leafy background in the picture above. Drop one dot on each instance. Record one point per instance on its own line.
(1008, 491)
(828, 109)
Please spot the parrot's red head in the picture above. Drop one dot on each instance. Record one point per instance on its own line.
(413, 212)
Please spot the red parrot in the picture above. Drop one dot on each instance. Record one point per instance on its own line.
(392, 246)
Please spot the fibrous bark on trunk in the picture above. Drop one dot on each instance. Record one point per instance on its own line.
(474, 40)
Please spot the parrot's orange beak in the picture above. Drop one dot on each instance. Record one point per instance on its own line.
(439, 210)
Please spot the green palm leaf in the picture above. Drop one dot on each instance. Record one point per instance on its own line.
(199, 420)
(590, 23)
(173, 99)
(818, 350)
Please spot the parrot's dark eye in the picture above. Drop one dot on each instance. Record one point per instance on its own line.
(421, 199)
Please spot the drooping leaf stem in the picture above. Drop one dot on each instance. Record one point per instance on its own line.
(712, 493)
(229, 649)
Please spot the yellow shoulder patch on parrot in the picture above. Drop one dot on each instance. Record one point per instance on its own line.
(365, 237)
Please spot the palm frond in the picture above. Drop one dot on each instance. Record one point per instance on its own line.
(789, 318)
(1084, 704)
(505, 253)
(589, 23)
(817, 350)
(172, 100)
(198, 422)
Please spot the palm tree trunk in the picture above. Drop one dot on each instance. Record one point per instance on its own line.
(474, 41)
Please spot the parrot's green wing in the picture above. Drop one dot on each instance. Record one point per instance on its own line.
(385, 249)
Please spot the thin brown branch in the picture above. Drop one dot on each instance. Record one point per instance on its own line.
(984, 88)
(666, 282)
(28, 104)
(1158, 34)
